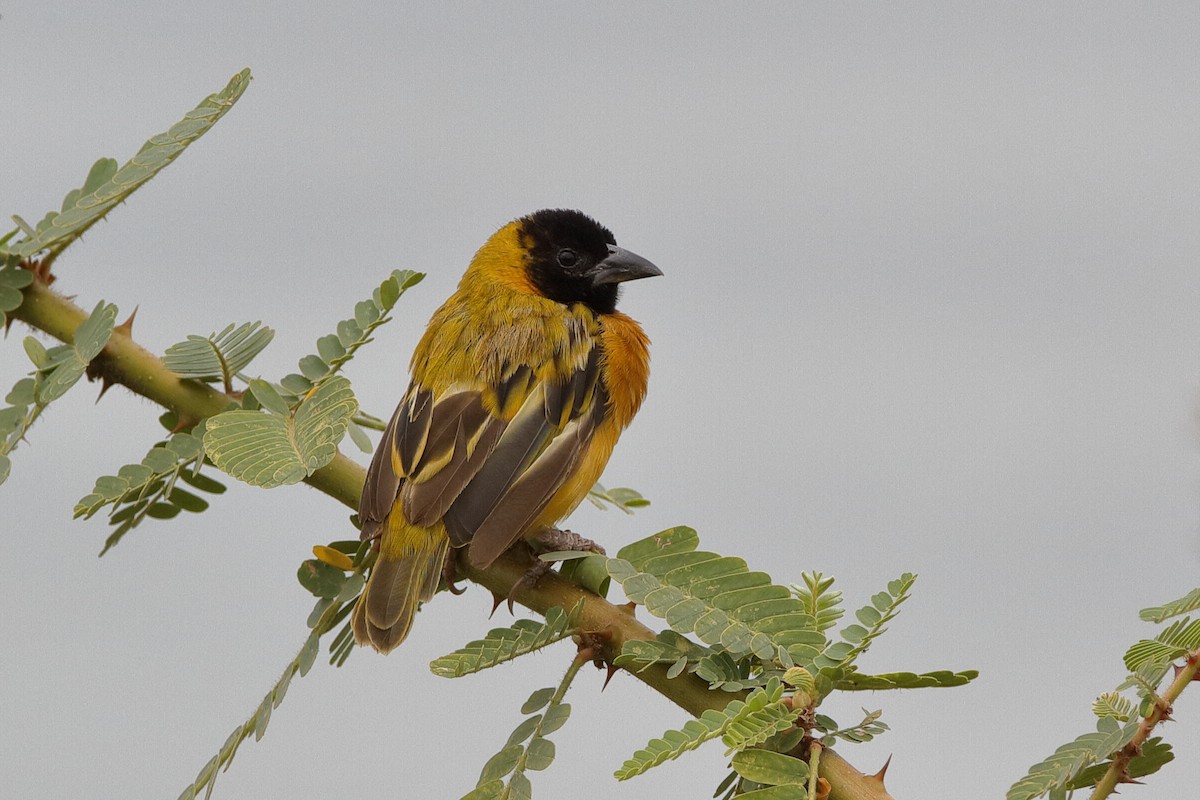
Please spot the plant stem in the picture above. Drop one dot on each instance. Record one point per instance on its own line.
(1118, 770)
(814, 761)
(123, 361)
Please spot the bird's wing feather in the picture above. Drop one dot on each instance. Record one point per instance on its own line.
(539, 450)
(485, 475)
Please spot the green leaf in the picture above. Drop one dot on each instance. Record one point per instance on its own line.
(106, 186)
(22, 393)
(329, 348)
(58, 371)
(313, 368)
(589, 571)
(12, 281)
(668, 647)
(1071, 759)
(1112, 704)
(538, 700)
(36, 352)
(716, 598)
(268, 397)
(554, 718)
(680, 539)
(505, 644)
(487, 791)
(865, 731)
(858, 682)
(741, 724)
(837, 660)
(501, 764)
(1154, 755)
(187, 501)
(199, 480)
(269, 450)
(219, 355)
(539, 755)
(297, 384)
(1189, 602)
(626, 500)
(360, 438)
(149, 489)
(763, 766)
(69, 362)
(320, 578)
(338, 348)
(1174, 642)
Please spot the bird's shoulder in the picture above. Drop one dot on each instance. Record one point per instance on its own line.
(503, 343)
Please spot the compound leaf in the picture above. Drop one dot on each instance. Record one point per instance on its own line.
(271, 450)
(106, 186)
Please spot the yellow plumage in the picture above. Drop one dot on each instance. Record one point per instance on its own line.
(521, 386)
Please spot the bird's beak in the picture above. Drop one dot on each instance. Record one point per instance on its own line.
(621, 265)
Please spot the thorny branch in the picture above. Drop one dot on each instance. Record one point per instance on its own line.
(124, 362)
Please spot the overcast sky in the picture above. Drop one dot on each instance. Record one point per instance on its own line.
(930, 305)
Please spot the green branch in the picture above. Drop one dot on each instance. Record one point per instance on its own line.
(128, 364)
(1160, 710)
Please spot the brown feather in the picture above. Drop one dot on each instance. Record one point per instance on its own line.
(526, 497)
(398, 586)
(379, 491)
(451, 411)
(520, 443)
(412, 430)
(427, 502)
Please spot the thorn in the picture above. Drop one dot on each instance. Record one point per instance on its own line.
(612, 670)
(126, 327)
(878, 776)
(496, 601)
(106, 383)
(628, 608)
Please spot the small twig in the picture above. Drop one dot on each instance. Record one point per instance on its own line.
(814, 760)
(1118, 770)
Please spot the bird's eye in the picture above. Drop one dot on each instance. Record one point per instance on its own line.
(567, 257)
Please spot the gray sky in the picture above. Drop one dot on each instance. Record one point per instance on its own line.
(930, 305)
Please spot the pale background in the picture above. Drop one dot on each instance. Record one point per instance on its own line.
(930, 304)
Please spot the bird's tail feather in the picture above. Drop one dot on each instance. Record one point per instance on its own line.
(403, 577)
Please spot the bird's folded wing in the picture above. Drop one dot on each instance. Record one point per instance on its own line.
(486, 475)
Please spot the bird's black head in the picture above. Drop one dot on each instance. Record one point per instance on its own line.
(574, 259)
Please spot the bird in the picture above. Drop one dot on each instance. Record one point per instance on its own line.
(521, 384)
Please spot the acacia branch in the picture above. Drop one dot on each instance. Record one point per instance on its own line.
(123, 361)
(1160, 711)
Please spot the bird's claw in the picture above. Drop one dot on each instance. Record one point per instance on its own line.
(450, 573)
(532, 575)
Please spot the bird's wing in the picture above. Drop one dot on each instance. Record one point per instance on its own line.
(486, 474)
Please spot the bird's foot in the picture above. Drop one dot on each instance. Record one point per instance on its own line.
(552, 539)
